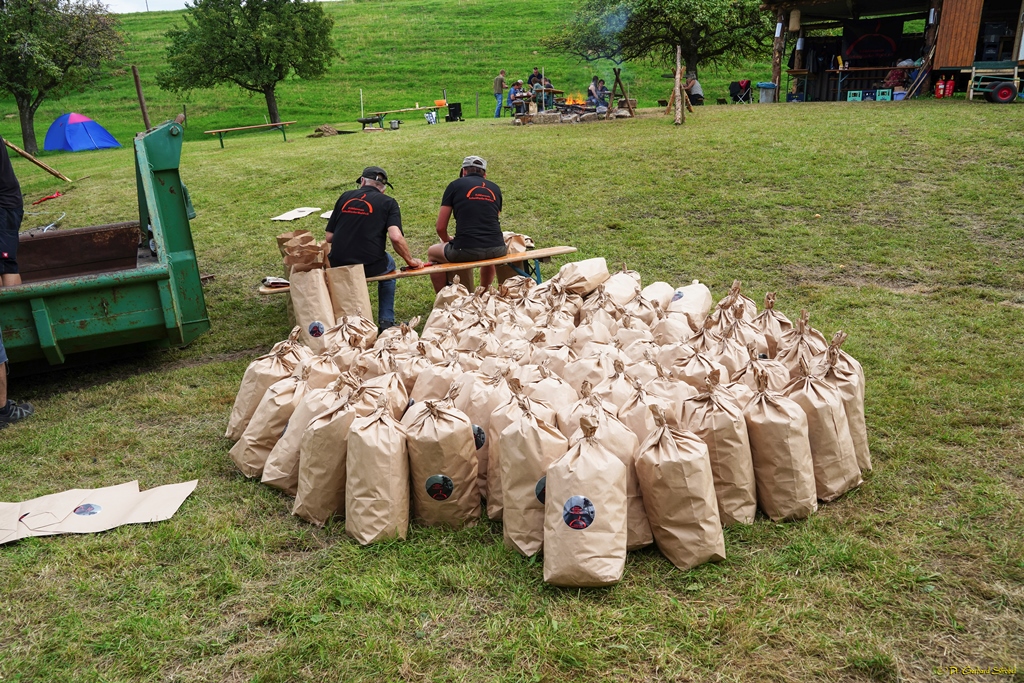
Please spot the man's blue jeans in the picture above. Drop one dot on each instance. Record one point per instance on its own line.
(497, 110)
(386, 297)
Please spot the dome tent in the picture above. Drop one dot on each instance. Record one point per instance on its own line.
(76, 133)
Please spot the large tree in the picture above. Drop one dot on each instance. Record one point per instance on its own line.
(254, 44)
(50, 48)
(710, 32)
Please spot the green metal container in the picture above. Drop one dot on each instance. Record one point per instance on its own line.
(158, 304)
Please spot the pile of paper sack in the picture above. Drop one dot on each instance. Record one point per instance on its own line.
(589, 414)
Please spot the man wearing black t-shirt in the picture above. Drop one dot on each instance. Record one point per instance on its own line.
(11, 213)
(476, 203)
(358, 229)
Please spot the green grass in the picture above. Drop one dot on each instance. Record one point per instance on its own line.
(398, 52)
(915, 254)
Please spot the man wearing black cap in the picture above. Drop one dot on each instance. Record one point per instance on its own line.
(358, 229)
(476, 203)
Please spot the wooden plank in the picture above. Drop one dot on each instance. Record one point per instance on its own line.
(534, 254)
(400, 111)
(959, 28)
(262, 125)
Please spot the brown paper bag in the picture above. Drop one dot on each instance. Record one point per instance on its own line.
(620, 440)
(778, 374)
(503, 416)
(435, 380)
(281, 469)
(840, 368)
(802, 343)
(268, 423)
(550, 389)
(286, 237)
(312, 305)
(772, 324)
(261, 373)
(674, 471)
(622, 286)
(478, 396)
(450, 294)
(585, 515)
(321, 370)
(377, 478)
(636, 413)
(349, 296)
(696, 369)
(693, 299)
(835, 460)
(671, 389)
(716, 419)
(323, 462)
(388, 386)
(781, 451)
(442, 460)
(529, 445)
(354, 330)
(583, 277)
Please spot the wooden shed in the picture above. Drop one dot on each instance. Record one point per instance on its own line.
(835, 47)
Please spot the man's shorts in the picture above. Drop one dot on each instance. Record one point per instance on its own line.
(453, 255)
(10, 225)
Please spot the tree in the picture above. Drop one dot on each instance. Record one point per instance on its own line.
(50, 48)
(708, 31)
(254, 44)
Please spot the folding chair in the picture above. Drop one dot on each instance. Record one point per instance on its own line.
(741, 92)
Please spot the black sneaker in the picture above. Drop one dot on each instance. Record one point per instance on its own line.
(14, 412)
(385, 324)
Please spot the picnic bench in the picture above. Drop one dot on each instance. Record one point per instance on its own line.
(381, 115)
(537, 256)
(220, 131)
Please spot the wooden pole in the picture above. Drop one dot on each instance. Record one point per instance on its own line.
(51, 171)
(142, 100)
(678, 90)
(931, 35)
(778, 47)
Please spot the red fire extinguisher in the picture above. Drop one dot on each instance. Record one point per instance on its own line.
(940, 88)
(950, 85)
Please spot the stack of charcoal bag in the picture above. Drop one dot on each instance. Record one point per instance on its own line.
(589, 414)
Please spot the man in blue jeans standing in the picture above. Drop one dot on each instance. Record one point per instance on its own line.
(499, 92)
(362, 221)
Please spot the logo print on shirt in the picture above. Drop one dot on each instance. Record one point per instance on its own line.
(481, 192)
(357, 205)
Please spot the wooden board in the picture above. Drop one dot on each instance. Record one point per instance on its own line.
(262, 125)
(81, 251)
(532, 255)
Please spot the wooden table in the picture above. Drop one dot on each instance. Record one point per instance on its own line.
(546, 90)
(384, 114)
(220, 131)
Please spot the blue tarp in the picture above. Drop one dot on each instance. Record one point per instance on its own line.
(75, 133)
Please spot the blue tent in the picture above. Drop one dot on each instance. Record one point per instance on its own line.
(76, 133)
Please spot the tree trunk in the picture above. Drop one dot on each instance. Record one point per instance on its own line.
(680, 116)
(268, 92)
(27, 114)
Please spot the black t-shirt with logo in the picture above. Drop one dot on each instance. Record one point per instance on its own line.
(476, 203)
(10, 190)
(360, 224)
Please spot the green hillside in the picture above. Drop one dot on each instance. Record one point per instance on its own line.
(399, 52)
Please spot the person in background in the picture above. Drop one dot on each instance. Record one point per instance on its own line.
(476, 204)
(592, 93)
(602, 94)
(12, 210)
(693, 89)
(549, 97)
(499, 92)
(535, 77)
(359, 225)
(517, 97)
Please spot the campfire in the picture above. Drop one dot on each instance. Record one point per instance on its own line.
(575, 98)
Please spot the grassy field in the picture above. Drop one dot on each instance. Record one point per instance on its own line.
(398, 52)
(900, 224)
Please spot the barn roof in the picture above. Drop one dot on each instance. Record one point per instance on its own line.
(830, 10)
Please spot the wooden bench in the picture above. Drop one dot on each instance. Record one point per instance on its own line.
(384, 114)
(220, 131)
(538, 256)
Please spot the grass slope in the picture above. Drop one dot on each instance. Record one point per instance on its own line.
(399, 52)
(915, 254)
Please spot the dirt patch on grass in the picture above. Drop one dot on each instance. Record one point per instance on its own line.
(849, 276)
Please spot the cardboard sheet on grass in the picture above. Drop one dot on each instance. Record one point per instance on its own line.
(89, 511)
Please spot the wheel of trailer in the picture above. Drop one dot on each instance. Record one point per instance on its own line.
(1004, 93)
(988, 94)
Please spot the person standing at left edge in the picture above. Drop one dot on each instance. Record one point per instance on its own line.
(11, 212)
(362, 221)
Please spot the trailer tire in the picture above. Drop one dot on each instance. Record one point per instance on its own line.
(1004, 93)
(988, 94)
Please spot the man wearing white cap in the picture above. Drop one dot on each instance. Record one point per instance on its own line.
(476, 203)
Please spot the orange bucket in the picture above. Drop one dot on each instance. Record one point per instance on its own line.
(440, 103)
